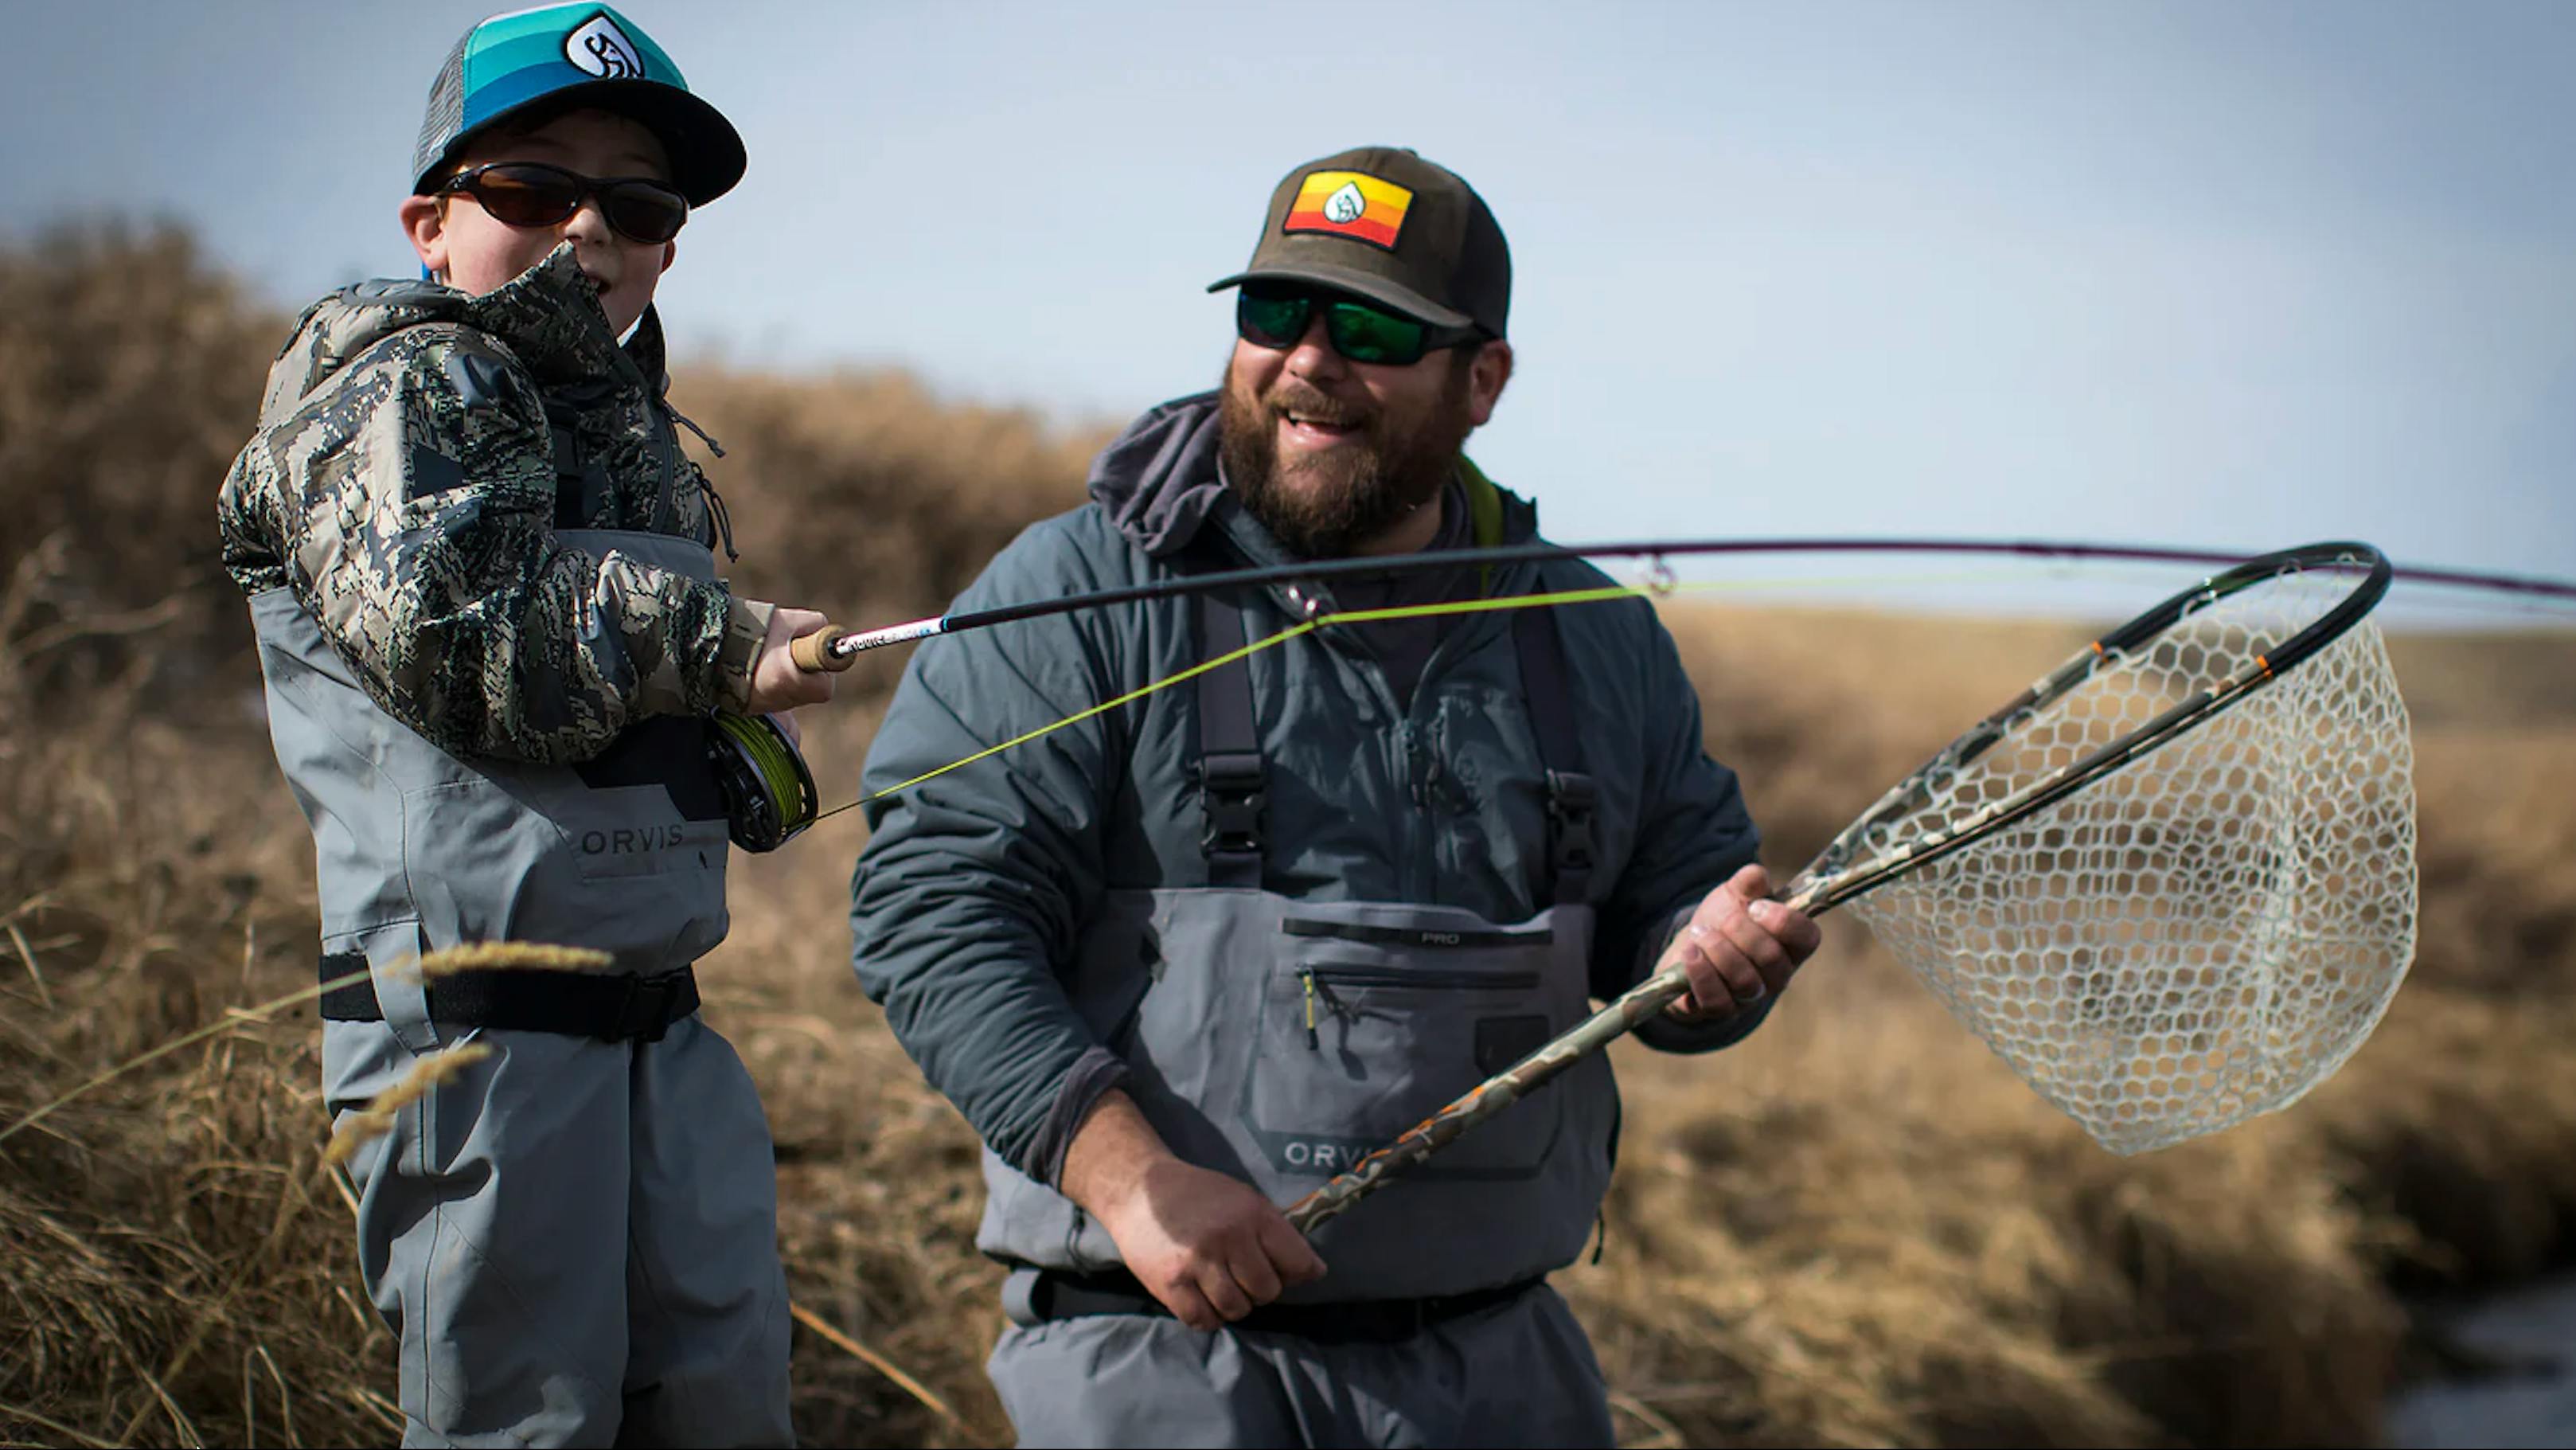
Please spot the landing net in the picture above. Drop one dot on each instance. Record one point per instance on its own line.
(2211, 930)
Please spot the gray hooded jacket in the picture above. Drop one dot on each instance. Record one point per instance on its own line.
(974, 892)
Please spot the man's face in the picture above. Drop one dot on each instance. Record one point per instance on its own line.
(1328, 453)
(475, 252)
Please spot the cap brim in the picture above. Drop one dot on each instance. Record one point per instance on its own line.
(706, 152)
(1376, 289)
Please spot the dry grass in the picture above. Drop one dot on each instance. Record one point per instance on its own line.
(1858, 1228)
(376, 1119)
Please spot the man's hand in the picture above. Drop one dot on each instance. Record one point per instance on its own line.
(1206, 1245)
(777, 683)
(1739, 946)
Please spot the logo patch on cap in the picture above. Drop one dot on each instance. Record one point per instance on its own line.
(602, 49)
(1350, 204)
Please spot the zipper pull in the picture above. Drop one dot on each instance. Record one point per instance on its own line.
(1313, 1043)
(682, 419)
(717, 511)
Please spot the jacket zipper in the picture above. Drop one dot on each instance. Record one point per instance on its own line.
(1417, 747)
(663, 437)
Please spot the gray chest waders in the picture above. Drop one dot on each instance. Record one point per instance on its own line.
(1279, 1040)
(417, 849)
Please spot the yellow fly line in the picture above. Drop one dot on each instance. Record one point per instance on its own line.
(1595, 595)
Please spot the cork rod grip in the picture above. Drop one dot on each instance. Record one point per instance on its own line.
(813, 652)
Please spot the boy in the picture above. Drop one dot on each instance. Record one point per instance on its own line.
(480, 572)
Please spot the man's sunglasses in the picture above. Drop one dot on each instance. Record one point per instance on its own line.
(533, 194)
(1276, 317)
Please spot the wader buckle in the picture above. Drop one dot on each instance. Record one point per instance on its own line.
(644, 1012)
(1571, 796)
(1570, 801)
(1234, 803)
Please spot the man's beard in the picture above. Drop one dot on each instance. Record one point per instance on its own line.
(1331, 502)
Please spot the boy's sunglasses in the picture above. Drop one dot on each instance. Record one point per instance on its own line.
(1273, 316)
(533, 194)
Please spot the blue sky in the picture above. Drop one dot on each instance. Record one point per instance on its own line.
(2237, 275)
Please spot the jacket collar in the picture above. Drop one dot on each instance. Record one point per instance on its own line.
(551, 319)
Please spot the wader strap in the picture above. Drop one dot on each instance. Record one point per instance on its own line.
(573, 1004)
(1059, 1295)
(568, 514)
(1229, 752)
(1571, 793)
(580, 489)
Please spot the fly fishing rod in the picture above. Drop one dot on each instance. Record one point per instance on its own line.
(770, 794)
(833, 648)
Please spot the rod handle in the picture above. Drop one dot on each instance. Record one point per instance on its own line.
(813, 652)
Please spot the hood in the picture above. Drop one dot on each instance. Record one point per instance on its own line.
(548, 317)
(1159, 483)
(1158, 480)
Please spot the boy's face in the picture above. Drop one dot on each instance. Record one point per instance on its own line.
(471, 250)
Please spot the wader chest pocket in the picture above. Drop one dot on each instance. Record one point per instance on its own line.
(1347, 1056)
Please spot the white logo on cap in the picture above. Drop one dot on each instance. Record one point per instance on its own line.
(602, 49)
(1345, 205)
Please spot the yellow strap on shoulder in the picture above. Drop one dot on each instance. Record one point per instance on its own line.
(1484, 504)
(1484, 515)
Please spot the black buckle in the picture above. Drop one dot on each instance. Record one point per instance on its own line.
(644, 1010)
(1570, 801)
(1232, 783)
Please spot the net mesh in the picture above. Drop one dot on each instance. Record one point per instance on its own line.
(2211, 930)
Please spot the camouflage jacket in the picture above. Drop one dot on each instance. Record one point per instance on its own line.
(404, 484)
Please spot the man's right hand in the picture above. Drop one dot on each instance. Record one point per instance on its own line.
(1206, 1245)
(778, 683)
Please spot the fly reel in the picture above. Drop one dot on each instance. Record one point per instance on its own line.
(768, 793)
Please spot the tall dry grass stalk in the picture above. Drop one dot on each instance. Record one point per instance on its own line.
(487, 956)
(376, 1119)
(1856, 1228)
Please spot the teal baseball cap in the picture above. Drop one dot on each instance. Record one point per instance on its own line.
(529, 63)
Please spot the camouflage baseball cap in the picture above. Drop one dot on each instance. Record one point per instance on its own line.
(567, 57)
(1384, 224)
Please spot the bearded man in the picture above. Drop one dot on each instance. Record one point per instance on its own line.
(1185, 959)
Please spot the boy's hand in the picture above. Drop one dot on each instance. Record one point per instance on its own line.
(777, 683)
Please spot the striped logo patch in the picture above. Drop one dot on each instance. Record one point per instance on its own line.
(1350, 204)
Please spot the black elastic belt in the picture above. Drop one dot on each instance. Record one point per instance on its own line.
(1059, 1295)
(522, 999)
